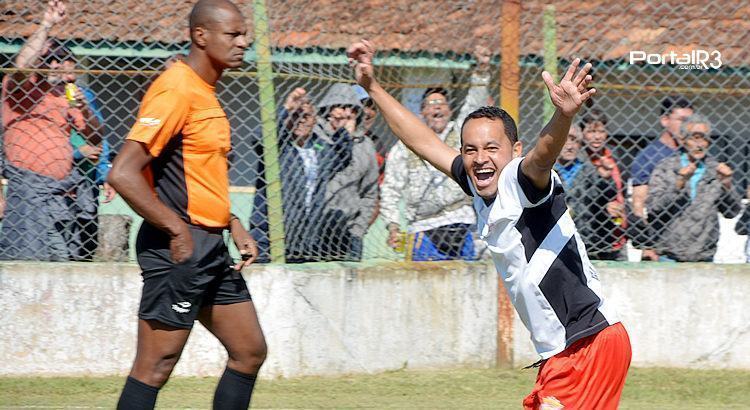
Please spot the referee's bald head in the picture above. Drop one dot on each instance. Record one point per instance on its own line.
(205, 12)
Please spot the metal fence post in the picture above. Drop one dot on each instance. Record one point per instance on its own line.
(268, 124)
(550, 53)
(509, 90)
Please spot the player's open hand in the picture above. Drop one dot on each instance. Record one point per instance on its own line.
(572, 91)
(360, 56)
(245, 244)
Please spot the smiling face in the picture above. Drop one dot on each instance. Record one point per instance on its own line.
(486, 150)
(436, 112)
(696, 141)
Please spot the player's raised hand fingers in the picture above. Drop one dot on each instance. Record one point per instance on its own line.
(369, 46)
(354, 51)
(582, 74)
(584, 84)
(572, 69)
(588, 94)
(548, 81)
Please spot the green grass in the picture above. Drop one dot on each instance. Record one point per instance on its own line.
(455, 389)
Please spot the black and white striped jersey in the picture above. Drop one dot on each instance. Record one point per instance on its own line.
(541, 259)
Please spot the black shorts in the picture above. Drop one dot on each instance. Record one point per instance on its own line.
(173, 293)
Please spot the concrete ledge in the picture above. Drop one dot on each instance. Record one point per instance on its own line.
(329, 319)
(319, 319)
(692, 315)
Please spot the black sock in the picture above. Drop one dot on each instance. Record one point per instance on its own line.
(137, 395)
(234, 390)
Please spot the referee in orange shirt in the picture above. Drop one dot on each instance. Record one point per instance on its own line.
(173, 171)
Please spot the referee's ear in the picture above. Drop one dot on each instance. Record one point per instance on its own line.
(198, 36)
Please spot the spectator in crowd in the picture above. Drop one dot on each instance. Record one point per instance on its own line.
(308, 158)
(370, 113)
(742, 227)
(93, 163)
(38, 120)
(577, 176)
(686, 192)
(438, 215)
(352, 193)
(599, 197)
(569, 165)
(674, 110)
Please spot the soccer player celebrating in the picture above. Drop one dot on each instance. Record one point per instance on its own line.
(173, 171)
(523, 219)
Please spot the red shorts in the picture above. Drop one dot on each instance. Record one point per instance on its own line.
(590, 374)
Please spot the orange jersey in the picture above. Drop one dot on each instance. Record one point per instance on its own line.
(184, 128)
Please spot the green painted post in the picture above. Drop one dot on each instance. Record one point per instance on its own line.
(550, 53)
(268, 123)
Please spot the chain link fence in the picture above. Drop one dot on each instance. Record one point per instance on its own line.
(317, 176)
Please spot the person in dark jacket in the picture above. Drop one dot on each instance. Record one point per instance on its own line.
(687, 191)
(742, 227)
(308, 160)
(352, 194)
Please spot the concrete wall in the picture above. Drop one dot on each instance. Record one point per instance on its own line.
(319, 319)
(693, 315)
(326, 319)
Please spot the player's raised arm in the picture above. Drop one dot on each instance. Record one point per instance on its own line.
(568, 96)
(405, 125)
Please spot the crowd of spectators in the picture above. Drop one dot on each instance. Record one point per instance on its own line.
(336, 179)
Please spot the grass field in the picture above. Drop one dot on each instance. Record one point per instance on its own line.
(455, 389)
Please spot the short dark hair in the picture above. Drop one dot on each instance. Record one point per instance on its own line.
(204, 11)
(674, 102)
(593, 115)
(57, 52)
(435, 90)
(494, 113)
